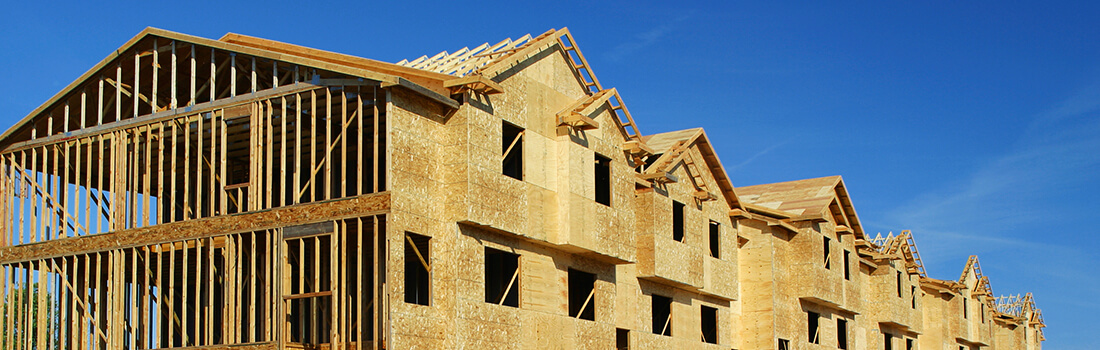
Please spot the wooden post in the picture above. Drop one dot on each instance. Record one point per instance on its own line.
(118, 92)
(194, 67)
(153, 102)
(328, 141)
(297, 143)
(187, 213)
(232, 74)
(198, 166)
(282, 154)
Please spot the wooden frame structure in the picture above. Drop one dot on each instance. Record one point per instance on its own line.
(148, 203)
(243, 193)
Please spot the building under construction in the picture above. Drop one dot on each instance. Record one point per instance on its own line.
(247, 193)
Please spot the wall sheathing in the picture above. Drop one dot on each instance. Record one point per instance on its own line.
(456, 193)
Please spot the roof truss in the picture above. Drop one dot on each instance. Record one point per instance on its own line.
(158, 70)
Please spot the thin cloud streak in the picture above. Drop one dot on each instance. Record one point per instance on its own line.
(1001, 206)
(643, 40)
(759, 154)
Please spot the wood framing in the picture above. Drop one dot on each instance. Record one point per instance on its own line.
(244, 193)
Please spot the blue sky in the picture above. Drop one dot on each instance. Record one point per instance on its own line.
(974, 124)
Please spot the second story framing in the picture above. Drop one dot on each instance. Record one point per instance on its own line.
(172, 127)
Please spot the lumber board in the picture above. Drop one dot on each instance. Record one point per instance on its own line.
(365, 205)
(161, 116)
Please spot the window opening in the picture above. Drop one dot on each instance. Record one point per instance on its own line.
(899, 283)
(965, 313)
(678, 221)
(582, 292)
(622, 339)
(501, 277)
(715, 239)
(913, 295)
(662, 315)
(603, 180)
(825, 254)
(709, 316)
(847, 265)
(812, 326)
(512, 150)
(842, 333)
(784, 344)
(417, 269)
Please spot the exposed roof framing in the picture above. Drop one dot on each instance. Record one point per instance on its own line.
(982, 283)
(489, 61)
(465, 61)
(944, 286)
(430, 80)
(1021, 308)
(673, 146)
(577, 114)
(234, 44)
(904, 245)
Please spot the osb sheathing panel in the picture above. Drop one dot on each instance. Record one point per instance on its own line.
(683, 262)
(679, 262)
(757, 283)
(556, 168)
(1009, 337)
(881, 302)
(937, 331)
(449, 170)
(543, 297)
(686, 322)
(809, 277)
(973, 327)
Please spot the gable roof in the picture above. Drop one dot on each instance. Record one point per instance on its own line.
(428, 79)
(666, 144)
(807, 199)
(465, 61)
(376, 73)
(1021, 307)
(974, 269)
(905, 246)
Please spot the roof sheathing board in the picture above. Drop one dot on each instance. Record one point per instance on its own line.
(805, 197)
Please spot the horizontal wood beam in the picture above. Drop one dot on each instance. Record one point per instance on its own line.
(162, 116)
(414, 87)
(475, 82)
(659, 177)
(577, 121)
(365, 205)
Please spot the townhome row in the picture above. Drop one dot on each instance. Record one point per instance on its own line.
(247, 193)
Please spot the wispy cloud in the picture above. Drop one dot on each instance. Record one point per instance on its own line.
(996, 206)
(759, 154)
(645, 39)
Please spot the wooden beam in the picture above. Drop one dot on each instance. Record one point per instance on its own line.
(366, 205)
(637, 147)
(659, 177)
(434, 96)
(161, 116)
(578, 121)
(475, 82)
